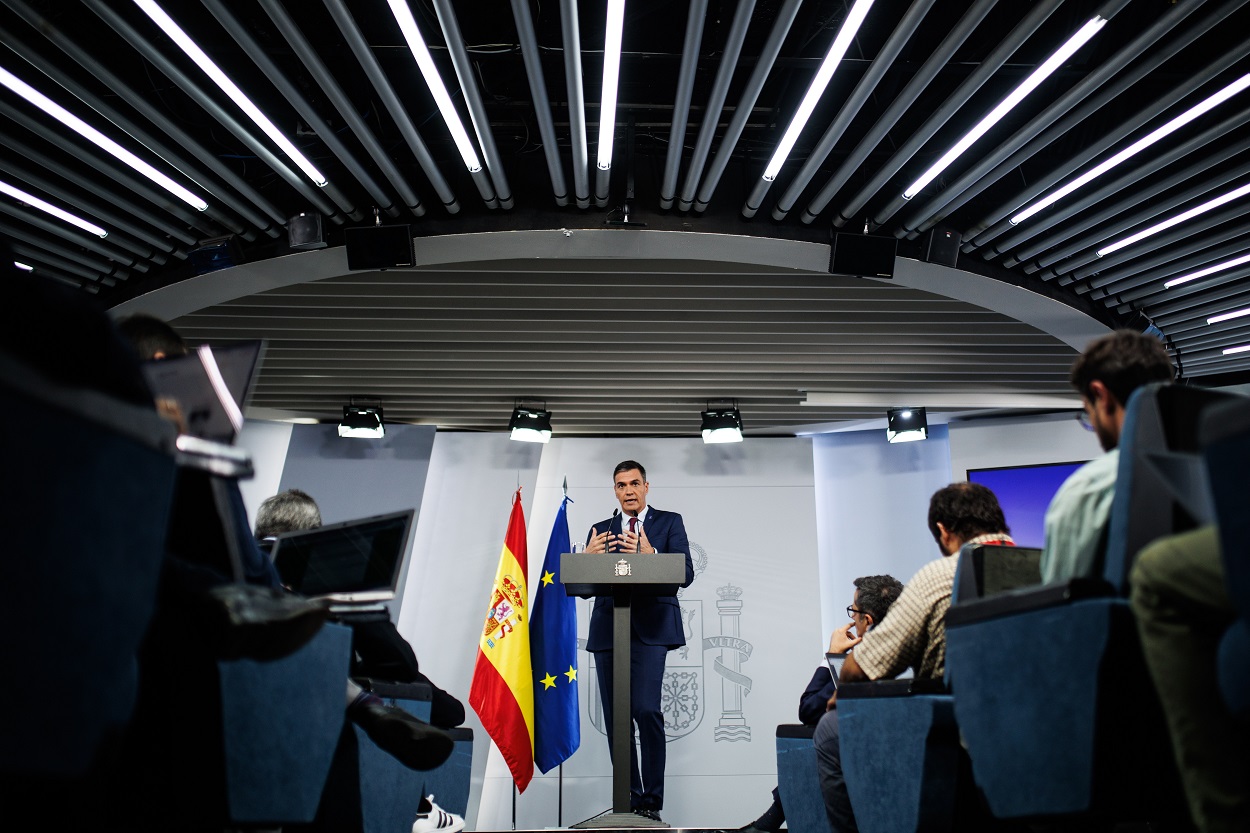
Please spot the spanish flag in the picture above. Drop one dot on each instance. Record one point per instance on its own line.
(502, 692)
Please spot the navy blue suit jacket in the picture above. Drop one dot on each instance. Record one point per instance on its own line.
(655, 620)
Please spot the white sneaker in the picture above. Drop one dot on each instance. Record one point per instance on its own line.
(437, 820)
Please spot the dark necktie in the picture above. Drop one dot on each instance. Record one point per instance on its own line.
(633, 524)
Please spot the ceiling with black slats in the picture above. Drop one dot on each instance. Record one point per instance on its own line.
(1115, 187)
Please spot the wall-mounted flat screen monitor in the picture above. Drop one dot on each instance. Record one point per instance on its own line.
(1024, 492)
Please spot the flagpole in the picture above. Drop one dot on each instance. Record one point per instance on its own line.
(560, 799)
(514, 805)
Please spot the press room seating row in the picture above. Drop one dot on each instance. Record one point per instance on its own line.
(1049, 691)
(87, 500)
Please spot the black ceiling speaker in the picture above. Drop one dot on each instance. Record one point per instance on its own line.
(303, 231)
(862, 255)
(941, 246)
(379, 247)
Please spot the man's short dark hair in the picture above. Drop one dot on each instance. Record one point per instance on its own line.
(966, 510)
(1123, 360)
(289, 511)
(629, 465)
(150, 336)
(876, 594)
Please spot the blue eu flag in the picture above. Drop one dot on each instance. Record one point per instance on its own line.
(553, 649)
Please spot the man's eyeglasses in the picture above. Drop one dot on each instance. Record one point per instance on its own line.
(851, 610)
(1083, 419)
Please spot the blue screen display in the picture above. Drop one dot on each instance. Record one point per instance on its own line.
(1024, 492)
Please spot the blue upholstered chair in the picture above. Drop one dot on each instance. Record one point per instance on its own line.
(85, 500)
(1054, 703)
(370, 792)
(900, 755)
(1226, 438)
(899, 741)
(281, 723)
(798, 781)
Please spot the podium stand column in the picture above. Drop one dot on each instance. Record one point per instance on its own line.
(622, 708)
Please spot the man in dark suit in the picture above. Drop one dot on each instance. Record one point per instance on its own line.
(656, 629)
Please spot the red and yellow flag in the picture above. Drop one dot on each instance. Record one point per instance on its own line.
(502, 692)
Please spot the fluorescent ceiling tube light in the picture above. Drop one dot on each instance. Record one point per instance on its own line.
(611, 75)
(205, 63)
(89, 133)
(816, 89)
(1210, 270)
(530, 425)
(25, 267)
(1135, 148)
(35, 202)
(1013, 98)
(1209, 205)
(1229, 316)
(408, 25)
(1245, 348)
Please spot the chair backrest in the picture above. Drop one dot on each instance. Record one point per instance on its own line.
(1161, 484)
(1226, 440)
(987, 569)
(85, 499)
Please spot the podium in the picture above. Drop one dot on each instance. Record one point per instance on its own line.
(624, 576)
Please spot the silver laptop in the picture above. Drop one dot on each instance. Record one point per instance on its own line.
(835, 667)
(353, 562)
(210, 385)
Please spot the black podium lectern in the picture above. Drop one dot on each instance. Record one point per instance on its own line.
(623, 576)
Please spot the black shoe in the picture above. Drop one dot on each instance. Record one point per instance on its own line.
(414, 744)
(646, 813)
(262, 623)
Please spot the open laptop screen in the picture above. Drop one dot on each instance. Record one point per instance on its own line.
(835, 667)
(353, 561)
(210, 387)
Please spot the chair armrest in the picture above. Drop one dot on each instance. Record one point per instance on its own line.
(398, 691)
(1026, 599)
(890, 688)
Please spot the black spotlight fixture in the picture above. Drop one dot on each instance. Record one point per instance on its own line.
(905, 425)
(531, 421)
(722, 423)
(362, 418)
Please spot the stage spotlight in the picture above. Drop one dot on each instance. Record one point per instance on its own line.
(722, 424)
(362, 420)
(530, 424)
(905, 425)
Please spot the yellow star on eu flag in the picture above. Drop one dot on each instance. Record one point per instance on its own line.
(571, 674)
(549, 578)
(548, 682)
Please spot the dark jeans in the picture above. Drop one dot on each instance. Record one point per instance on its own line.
(1183, 609)
(832, 784)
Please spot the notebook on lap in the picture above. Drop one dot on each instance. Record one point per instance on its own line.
(349, 563)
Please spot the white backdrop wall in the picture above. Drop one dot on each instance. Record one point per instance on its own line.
(267, 442)
(750, 517)
(789, 522)
(1019, 441)
(872, 506)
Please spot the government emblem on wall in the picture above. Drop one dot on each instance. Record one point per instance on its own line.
(690, 688)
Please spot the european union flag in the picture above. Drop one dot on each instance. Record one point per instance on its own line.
(553, 648)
